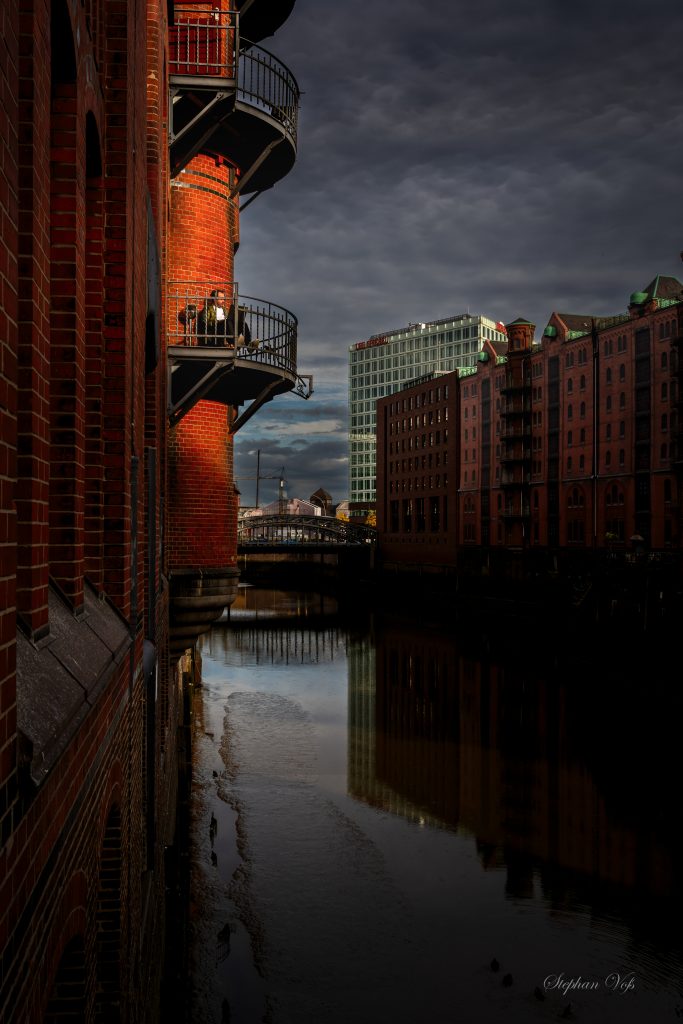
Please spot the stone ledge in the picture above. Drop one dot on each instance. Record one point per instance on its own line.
(60, 680)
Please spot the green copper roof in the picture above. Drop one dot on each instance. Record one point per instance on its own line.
(550, 331)
(638, 298)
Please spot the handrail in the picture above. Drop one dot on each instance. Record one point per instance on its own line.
(203, 42)
(262, 332)
(268, 84)
(251, 528)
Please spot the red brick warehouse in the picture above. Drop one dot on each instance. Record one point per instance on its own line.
(111, 416)
(557, 452)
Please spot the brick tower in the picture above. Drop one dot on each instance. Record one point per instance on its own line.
(516, 433)
(233, 132)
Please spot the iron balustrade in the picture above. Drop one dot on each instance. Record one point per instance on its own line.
(515, 429)
(268, 84)
(262, 332)
(204, 42)
(284, 528)
(516, 455)
(510, 512)
(512, 477)
(516, 406)
(603, 323)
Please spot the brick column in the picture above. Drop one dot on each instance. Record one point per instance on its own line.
(202, 520)
(203, 511)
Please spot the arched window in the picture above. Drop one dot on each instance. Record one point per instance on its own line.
(108, 922)
(67, 363)
(68, 999)
(94, 355)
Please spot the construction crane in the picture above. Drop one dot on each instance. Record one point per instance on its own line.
(268, 476)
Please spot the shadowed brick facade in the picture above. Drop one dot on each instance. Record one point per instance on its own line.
(105, 499)
(417, 485)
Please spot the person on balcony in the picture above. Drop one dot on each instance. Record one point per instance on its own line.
(216, 327)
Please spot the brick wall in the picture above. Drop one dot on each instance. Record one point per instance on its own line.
(82, 450)
(203, 223)
(203, 511)
(34, 291)
(204, 505)
(9, 25)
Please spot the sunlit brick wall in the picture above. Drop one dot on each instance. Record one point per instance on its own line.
(203, 505)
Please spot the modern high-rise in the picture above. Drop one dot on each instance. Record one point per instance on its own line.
(385, 363)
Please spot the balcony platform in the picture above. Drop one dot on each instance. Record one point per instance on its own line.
(229, 376)
(230, 98)
(214, 120)
(250, 367)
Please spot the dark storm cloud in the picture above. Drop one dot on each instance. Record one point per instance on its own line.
(506, 158)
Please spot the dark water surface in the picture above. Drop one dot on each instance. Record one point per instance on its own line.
(385, 805)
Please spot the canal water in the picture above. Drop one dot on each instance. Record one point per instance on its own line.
(400, 819)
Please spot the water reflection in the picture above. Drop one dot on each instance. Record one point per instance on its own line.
(414, 802)
(529, 764)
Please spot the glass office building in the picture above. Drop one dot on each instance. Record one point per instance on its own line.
(387, 362)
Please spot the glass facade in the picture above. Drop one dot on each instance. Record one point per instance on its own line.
(386, 363)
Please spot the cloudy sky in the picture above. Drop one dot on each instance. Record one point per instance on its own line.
(503, 157)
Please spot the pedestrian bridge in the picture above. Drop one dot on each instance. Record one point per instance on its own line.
(282, 532)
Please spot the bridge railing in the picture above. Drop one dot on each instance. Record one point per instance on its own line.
(288, 529)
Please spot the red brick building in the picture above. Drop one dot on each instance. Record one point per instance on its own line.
(417, 482)
(129, 133)
(556, 447)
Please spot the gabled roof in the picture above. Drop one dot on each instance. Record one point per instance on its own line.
(662, 287)
(575, 321)
(521, 320)
(499, 347)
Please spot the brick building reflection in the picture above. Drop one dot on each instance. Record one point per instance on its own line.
(513, 756)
